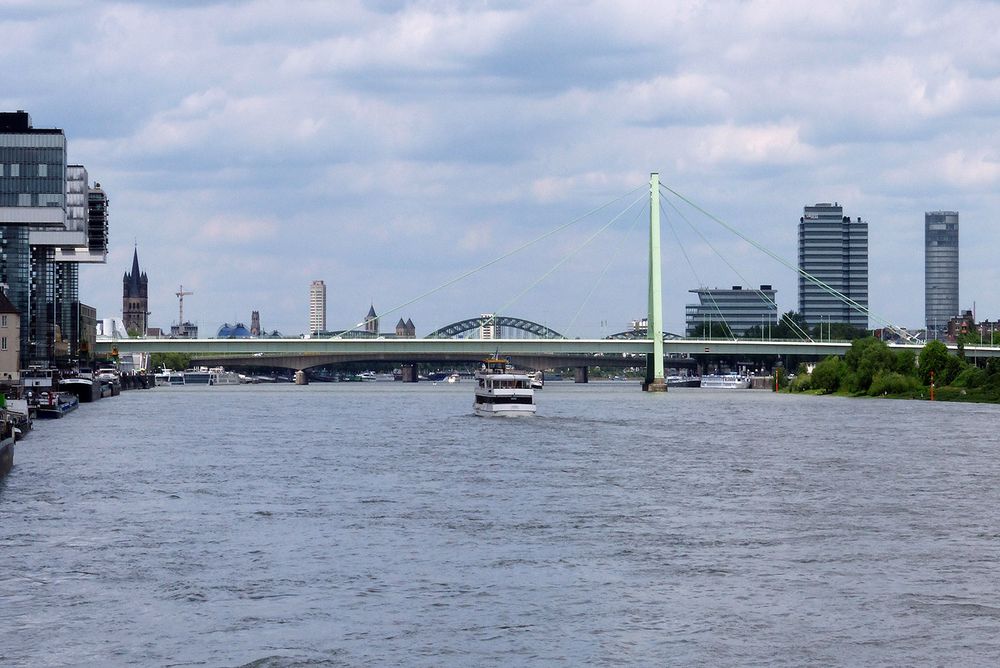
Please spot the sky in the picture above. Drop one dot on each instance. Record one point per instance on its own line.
(390, 148)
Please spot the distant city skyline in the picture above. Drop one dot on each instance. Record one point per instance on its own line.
(389, 149)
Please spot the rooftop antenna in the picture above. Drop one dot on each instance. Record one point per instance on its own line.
(180, 296)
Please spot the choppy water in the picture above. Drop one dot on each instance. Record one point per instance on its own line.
(382, 524)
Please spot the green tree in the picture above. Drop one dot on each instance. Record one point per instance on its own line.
(866, 358)
(906, 362)
(177, 361)
(933, 358)
(790, 326)
(717, 330)
(828, 374)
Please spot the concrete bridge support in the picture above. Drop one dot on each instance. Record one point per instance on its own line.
(409, 373)
(582, 375)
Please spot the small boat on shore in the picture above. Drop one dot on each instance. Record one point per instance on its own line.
(500, 392)
(54, 405)
(110, 380)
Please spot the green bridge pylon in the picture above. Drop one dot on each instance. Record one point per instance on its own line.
(655, 381)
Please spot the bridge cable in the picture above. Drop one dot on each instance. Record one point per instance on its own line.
(607, 266)
(492, 262)
(680, 245)
(569, 255)
(809, 277)
(795, 326)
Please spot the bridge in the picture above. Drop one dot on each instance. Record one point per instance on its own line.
(548, 349)
(535, 353)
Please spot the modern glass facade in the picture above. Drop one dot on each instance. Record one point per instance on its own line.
(97, 222)
(15, 264)
(736, 308)
(67, 305)
(32, 185)
(940, 271)
(32, 163)
(834, 250)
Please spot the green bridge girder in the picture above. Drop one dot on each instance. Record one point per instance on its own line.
(402, 348)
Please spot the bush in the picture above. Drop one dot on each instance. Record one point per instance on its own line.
(802, 383)
(828, 374)
(970, 378)
(891, 382)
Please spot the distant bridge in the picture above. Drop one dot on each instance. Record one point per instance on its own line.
(542, 353)
(472, 324)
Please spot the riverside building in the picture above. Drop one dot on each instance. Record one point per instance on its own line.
(45, 233)
(317, 307)
(940, 272)
(834, 250)
(736, 309)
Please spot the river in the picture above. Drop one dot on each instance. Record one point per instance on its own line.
(382, 524)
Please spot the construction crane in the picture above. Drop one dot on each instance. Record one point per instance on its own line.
(180, 296)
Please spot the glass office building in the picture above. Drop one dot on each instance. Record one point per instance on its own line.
(940, 271)
(736, 309)
(32, 197)
(834, 250)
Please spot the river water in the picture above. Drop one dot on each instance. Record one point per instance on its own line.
(382, 524)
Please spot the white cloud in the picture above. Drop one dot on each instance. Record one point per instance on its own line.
(352, 142)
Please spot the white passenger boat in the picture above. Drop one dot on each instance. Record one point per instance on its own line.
(726, 381)
(219, 376)
(500, 392)
(168, 377)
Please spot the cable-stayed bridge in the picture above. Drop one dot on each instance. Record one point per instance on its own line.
(545, 349)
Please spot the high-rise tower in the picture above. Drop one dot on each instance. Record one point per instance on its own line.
(317, 307)
(834, 250)
(32, 200)
(135, 298)
(940, 271)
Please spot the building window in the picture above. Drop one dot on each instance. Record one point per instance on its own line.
(3, 320)
(43, 169)
(3, 343)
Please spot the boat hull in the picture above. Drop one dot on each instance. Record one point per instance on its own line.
(85, 389)
(503, 410)
(6, 455)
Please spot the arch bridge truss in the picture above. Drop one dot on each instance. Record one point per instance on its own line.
(462, 326)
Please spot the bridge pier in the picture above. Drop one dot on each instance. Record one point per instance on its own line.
(581, 375)
(409, 373)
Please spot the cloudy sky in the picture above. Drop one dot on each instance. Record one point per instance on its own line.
(388, 148)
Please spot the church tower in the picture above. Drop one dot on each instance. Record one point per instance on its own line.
(135, 299)
(371, 321)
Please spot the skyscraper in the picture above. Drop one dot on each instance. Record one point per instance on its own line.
(940, 271)
(32, 201)
(834, 250)
(317, 307)
(45, 232)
